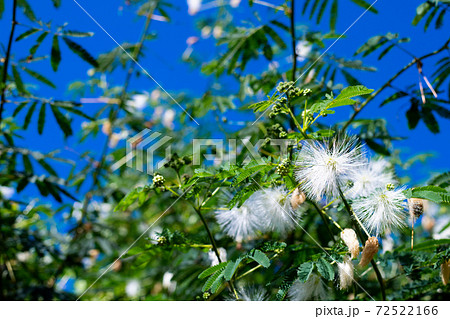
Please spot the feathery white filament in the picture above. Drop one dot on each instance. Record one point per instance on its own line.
(324, 167)
(312, 289)
(274, 205)
(383, 210)
(369, 177)
(240, 223)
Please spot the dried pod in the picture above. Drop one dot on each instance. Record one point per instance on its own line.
(415, 207)
(349, 237)
(445, 271)
(106, 128)
(346, 272)
(297, 198)
(370, 250)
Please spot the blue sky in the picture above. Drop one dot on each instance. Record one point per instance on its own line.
(163, 62)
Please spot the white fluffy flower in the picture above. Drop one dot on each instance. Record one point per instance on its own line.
(7, 192)
(213, 257)
(194, 6)
(346, 273)
(133, 288)
(168, 283)
(303, 49)
(312, 289)
(275, 205)
(382, 210)
(250, 293)
(240, 223)
(369, 177)
(235, 3)
(324, 167)
(139, 101)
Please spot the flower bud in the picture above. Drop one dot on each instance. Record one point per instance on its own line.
(445, 271)
(348, 235)
(370, 250)
(297, 198)
(415, 207)
(346, 271)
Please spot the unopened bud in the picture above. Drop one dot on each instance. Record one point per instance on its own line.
(348, 235)
(370, 250)
(415, 207)
(297, 198)
(445, 271)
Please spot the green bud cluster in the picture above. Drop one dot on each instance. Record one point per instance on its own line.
(177, 162)
(276, 131)
(279, 107)
(283, 167)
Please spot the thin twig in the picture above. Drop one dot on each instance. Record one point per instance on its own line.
(7, 57)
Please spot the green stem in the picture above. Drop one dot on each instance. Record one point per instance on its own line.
(7, 57)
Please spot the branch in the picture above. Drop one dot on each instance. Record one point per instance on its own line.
(6, 63)
(388, 83)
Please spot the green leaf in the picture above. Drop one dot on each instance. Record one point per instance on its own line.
(212, 279)
(27, 164)
(430, 120)
(441, 180)
(365, 5)
(260, 258)
(39, 77)
(421, 11)
(80, 51)
(39, 40)
(78, 34)
(18, 80)
(353, 91)
(62, 120)
(230, 269)
(2, 8)
(413, 114)
(431, 244)
(325, 269)
(209, 271)
(27, 33)
(55, 56)
(19, 108)
(333, 15)
(305, 270)
(29, 115)
(41, 120)
(433, 193)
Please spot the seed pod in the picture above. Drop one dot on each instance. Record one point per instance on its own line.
(106, 128)
(415, 207)
(370, 250)
(297, 198)
(346, 271)
(445, 271)
(348, 235)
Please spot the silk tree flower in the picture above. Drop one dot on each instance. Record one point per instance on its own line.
(367, 178)
(312, 289)
(250, 293)
(324, 167)
(194, 6)
(346, 273)
(381, 211)
(133, 288)
(275, 206)
(240, 223)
